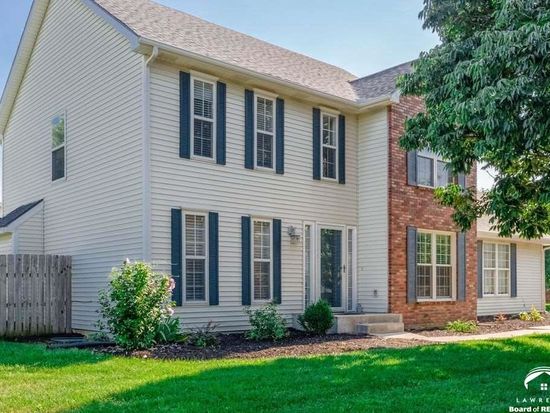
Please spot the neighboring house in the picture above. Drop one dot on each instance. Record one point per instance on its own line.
(249, 172)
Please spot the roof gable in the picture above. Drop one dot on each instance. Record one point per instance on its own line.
(17, 213)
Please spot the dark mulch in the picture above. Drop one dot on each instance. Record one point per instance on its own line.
(235, 346)
(487, 327)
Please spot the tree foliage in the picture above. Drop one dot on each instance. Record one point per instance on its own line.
(487, 96)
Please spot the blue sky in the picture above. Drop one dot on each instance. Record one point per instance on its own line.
(362, 36)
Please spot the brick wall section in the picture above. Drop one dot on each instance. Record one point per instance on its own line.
(416, 207)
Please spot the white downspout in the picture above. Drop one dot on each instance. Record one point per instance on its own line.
(146, 199)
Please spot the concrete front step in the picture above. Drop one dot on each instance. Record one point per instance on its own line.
(380, 328)
(347, 323)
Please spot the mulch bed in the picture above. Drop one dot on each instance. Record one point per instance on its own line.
(235, 346)
(487, 327)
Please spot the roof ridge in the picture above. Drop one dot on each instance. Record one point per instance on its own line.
(385, 70)
(252, 37)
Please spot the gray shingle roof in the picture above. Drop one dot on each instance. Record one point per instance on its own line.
(17, 213)
(381, 83)
(181, 30)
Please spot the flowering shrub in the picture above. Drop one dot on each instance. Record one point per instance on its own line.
(137, 306)
(266, 324)
(533, 315)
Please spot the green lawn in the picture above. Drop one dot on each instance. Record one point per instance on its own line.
(473, 376)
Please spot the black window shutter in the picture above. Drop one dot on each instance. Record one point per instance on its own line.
(316, 143)
(480, 269)
(411, 168)
(213, 259)
(461, 266)
(513, 270)
(220, 122)
(277, 261)
(411, 265)
(280, 137)
(461, 180)
(249, 129)
(185, 115)
(342, 149)
(177, 259)
(246, 257)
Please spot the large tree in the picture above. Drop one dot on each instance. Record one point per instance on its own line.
(486, 88)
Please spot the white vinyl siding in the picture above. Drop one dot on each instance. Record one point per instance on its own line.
(372, 233)
(6, 244)
(329, 146)
(435, 265)
(29, 235)
(195, 257)
(496, 269)
(262, 260)
(234, 191)
(530, 284)
(203, 118)
(265, 132)
(81, 65)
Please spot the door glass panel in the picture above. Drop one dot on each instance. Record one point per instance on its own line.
(331, 263)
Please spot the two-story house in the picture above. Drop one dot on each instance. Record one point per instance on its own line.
(248, 172)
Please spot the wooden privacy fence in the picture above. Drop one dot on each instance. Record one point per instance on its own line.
(35, 295)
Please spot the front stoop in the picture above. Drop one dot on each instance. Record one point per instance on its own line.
(368, 324)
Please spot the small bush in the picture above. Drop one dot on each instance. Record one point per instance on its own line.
(136, 303)
(203, 336)
(168, 331)
(460, 326)
(317, 318)
(533, 315)
(266, 324)
(500, 318)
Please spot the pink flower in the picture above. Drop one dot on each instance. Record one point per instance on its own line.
(170, 312)
(172, 284)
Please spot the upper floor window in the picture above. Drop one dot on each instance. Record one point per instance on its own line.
(263, 263)
(432, 170)
(434, 265)
(329, 146)
(203, 118)
(265, 135)
(195, 253)
(496, 269)
(58, 147)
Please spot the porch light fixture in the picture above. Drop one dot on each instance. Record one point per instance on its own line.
(293, 234)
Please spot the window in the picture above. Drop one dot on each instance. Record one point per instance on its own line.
(58, 147)
(308, 263)
(432, 170)
(496, 269)
(434, 266)
(329, 146)
(195, 251)
(262, 260)
(203, 118)
(265, 121)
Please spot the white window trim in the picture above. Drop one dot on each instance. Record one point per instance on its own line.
(185, 256)
(272, 98)
(497, 268)
(337, 138)
(64, 146)
(205, 79)
(253, 260)
(434, 266)
(435, 158)
(312, 258)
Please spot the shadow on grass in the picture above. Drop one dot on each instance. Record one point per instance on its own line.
(478, 376)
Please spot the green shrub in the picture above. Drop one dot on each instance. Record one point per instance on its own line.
(533, 315)
(168, 331)
(266, 324)
(136, 303)
(317, 318)
(203, 336)
(460, 326)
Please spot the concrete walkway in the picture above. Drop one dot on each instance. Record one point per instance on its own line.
(454, 339)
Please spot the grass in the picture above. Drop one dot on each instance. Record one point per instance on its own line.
(473, 376)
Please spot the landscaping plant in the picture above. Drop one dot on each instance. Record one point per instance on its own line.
(203, 336)
(533, 315)
(137, 306)
(317, 318)
(460, 326)
(266, 324)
